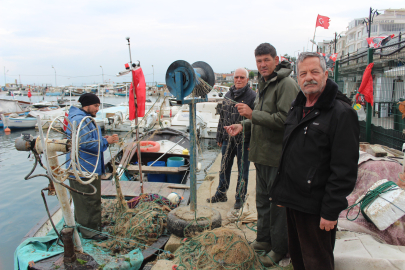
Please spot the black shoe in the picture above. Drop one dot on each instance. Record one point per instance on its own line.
(100, 237)
(238, 204)
(217, 198)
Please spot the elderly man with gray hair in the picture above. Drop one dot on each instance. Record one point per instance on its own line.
(318, 166)
(237, 146)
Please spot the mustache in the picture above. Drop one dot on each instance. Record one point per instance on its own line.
(310, 82)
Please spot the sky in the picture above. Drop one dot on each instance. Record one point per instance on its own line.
(77, 37)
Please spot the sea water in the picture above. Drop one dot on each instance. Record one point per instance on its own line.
(21, 204)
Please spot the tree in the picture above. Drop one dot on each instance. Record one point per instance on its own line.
(251, 75)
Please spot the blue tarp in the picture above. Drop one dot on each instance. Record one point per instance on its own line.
(39, 248)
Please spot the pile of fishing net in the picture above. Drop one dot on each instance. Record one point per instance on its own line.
(139, 226)
(220, 248)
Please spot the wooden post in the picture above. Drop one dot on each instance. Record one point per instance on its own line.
(69, 255)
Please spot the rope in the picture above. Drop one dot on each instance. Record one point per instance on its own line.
(370, 197)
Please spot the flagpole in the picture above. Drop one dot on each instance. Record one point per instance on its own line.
(138, 150)
(313, 40)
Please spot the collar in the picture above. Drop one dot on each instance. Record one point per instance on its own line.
(325, 100)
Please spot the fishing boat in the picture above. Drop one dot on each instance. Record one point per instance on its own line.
(20, 122)
(207, 119)
(14, 107)
(173, 143)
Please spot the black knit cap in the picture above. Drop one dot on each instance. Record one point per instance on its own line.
(89, 99)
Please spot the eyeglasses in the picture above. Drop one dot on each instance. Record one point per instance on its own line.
(239, 77)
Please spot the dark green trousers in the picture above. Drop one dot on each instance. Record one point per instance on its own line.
(271, 219)
(87, 208)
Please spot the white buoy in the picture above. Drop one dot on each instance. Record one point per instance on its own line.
(174, 198)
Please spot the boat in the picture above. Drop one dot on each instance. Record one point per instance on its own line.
(15, 121)
(8, 107)
(45, 104)
(173, 143)
(53, 94)
(207, 119)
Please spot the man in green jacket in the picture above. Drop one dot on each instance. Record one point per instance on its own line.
(266, 122)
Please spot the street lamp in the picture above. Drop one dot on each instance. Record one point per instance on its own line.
(369, 21)
(153, 75)
(102, 73)
(55, 76)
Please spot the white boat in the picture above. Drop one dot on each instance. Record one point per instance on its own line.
(20, 122)
(8, 107)
(206, 119)
(48, 115)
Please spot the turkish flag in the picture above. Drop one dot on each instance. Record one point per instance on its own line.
(322, 21)
(333, 57)
(29, 93)
(282, 58)
(140, 91)
(366, 87)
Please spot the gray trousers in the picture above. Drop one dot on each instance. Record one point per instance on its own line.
(271, 219)
(87, 208)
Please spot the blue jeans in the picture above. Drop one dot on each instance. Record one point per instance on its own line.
(229, 150)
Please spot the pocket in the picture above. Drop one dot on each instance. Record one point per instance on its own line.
(311, 177)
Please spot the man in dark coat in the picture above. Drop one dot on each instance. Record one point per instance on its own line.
(237, 146)
(318, 167)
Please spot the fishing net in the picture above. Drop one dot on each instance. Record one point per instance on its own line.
(136, 227)
(217, 249)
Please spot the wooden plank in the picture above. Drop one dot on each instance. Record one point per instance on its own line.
(156, 170)
(179, 186)
(376, 151)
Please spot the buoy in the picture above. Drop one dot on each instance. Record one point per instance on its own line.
(185, 152)
(7, 130)
(174, 198)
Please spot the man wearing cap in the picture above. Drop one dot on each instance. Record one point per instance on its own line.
(88, 208)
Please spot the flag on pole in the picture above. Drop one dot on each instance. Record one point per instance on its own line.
(366, 86)
(139, 85)
(282, 58)
(29, 93)
(322, 21)
(333, 57)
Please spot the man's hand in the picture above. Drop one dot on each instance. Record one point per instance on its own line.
(234, 129)
(112, 139)
(244, 110)
(219, 144)
(327, 225)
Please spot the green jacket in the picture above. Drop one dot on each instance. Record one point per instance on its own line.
(271, 107)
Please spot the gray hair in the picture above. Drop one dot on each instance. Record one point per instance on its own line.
(247, 73)
(306, 55)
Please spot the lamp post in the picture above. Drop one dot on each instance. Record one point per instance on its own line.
(55, 77)
(102, 73)
(153, 75)
(372, 13)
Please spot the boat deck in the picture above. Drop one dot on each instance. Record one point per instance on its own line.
(133, 188)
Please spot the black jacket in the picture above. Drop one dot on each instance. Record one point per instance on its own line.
(229, 113)
(318, 166)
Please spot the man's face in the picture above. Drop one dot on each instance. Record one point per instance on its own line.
(92, 109)
(311, 77)
(266, 64)
(240, 79)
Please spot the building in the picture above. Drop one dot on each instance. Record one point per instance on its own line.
(353, 39)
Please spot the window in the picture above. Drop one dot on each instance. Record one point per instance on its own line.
(389, 28)
(351, 36)
(359, 35)
(374, 28)
(351, 48)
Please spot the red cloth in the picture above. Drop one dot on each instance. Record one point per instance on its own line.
(366, 87)
(29, 93)
(322, 21)
(140, 91)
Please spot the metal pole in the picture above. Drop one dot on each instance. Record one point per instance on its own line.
(369, 108)
(55, 77)
(153, 81)
(102, 73)
(193, 159)
(336, 75)
(335, 41)
(138, 148)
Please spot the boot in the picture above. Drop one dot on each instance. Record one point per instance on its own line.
(217, 198)
(261, 246)
(270, 258)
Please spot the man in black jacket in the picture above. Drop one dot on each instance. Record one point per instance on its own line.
(237, 146)
(318, 167)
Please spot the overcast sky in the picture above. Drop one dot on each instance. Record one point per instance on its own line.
(77, 37)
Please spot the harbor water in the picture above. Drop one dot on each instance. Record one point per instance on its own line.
(21, 204)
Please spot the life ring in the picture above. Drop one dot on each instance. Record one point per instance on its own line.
(149, 146)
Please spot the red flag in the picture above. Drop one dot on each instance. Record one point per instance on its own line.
(140, 91)
(322, 21)
(333, 57)
(366, 87)
(29, 93)
(282, 58)
(65, 122)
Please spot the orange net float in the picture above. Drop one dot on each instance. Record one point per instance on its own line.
(149, 146)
